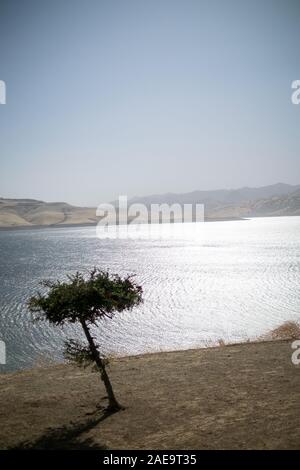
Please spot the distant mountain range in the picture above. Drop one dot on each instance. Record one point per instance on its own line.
(275, 200)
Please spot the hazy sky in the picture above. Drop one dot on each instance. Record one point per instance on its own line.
(147, 96)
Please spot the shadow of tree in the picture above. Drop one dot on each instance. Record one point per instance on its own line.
(67, 437)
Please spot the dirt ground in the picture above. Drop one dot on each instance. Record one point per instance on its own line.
(232, 397)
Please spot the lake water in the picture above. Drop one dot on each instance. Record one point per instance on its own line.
(232, 281)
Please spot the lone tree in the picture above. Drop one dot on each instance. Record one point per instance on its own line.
(86, 301)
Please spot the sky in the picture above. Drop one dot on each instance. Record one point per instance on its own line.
(138, 97)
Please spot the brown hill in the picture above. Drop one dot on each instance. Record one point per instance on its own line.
(278, 200)
(30, 212)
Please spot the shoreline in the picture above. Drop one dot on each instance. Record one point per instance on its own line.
(45, 363)
(93, 224)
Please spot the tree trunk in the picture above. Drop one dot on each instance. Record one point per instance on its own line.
(113, 403)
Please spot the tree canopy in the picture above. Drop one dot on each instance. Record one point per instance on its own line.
(99, 296)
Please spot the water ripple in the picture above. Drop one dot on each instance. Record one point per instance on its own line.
(236, 280)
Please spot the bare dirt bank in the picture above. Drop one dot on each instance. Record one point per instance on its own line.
(240, 397)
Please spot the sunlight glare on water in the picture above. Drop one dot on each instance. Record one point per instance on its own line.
(228, 280)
